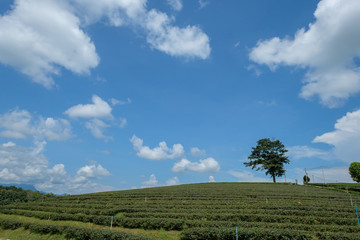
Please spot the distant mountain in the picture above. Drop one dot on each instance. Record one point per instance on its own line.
(23, 186)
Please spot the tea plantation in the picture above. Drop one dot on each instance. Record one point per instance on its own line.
(195, 211)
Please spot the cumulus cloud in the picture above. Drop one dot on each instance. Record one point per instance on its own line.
(327, 49)
(175, 4)
(9, 144)
(29, 165)
(93, 171)
(99, 112)
(172, 181)
(152, 182)
(197, 152)
(345, 137)
(98, 109)
(97, 128)
(117, 12)
(158, 153)
(16, 124)
(299, 152)
(205, 165)
(211, 179)
(22, 164)
(190, 41)
(246, 176)
(161, 34)
(54, 129)
(39, 37)
(20, 124)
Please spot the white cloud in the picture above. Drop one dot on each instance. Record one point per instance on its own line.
(7, 176)
(97, 128)
(93, 171)
(205, 165)
(29, 165)
(345, 138)
(299, 152)
(246, 176)
(190, 41)
(326, 49)
(123, 122)
(175, 4)
(172, 181)
(158, 153)
(255, 69)
(162, 35)
(98, 109)
(203, 3)
(38, 36)
(115, 102)
(211, 179)
(20, 124)
(55, 129)
(55, 175)
(9, 144)
(22, 164)
(152, 182)
(197, 152)
(117, 12)
(16, 124)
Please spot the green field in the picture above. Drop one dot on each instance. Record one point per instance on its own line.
(194, 211)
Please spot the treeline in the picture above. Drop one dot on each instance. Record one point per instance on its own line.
(13, 194)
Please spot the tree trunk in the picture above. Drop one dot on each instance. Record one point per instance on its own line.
(274, 180)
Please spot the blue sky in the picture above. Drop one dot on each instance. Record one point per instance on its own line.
(120, 94)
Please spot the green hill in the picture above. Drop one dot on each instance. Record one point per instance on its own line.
(193, 211)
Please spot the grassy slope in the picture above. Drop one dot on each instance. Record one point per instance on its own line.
(197, 199)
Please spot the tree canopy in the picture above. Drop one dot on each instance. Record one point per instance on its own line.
(270, 156)
(13, 194)
(354, 171)
(306, 179)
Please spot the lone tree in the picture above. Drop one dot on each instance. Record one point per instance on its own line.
(270, 156)
(306, 179)
(354, 171)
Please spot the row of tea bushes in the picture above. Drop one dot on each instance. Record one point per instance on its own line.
(70, 231)
(261, 234)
